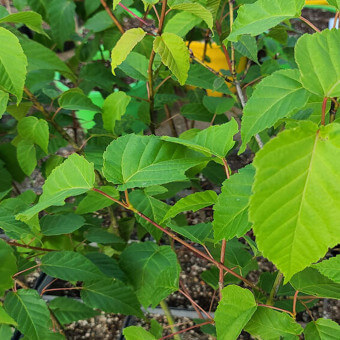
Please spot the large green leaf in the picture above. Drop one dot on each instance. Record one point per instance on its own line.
(311, 281)
(174, 54)
(233, 312)
(216, 140)
(73, 177)
(150, 207)
(181, 23)
(3, 102)
(135, 66)
(318, 58)
(193, 202)
(213, 6)
(31, 19)
(114, 108)
(125, 45)
(67, 310)
(6, 332)
(5, 318)
(275, 97)
(292, 227)
(61, 17)
(142, 161)
(231, 208)
(197, 233)
(247, 46)
(330, 268)
(256, 18)
(95, 201)
(269, 324)
(75, 99)
(152, 270)
(61, 224)
(26, 155)
(111, 296)
(69, 265)
(8, 266)
(13, 63)
(322, 329)
(137, 333)
(34, 130)
(30, 312)
(198, 10)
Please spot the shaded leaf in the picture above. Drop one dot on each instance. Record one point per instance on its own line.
(137, 333)
(197, 233)
(61, 224)
(330, 268)
(75, 99)
(269, 324)
(4, 317)
(181, 23)
(247, 46)
(8, 266)
(322, 329)
(3, 102)
(26, 156)
(152, 270)
(111, 296)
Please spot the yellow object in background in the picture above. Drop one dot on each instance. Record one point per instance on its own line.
(316, 2)
(217, 61)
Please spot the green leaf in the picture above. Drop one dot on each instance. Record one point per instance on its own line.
(231, 208)
(34, 130)
(311, 281)
(13, 63)
(198, 10)
(269, 324)
(4, 317)
(95, 201)
(330, 268)
(75, 99)
(291, 226)
(215, 140)
(335, 3)
(247, 46)
(6, 332)
(218, 105)
(174, 54)
(61, 17)
(61, 224)
(152, 270)
(197, 233)
(181, 23)
(150, 207)
(277, 96)
(3, 102)
(115, 4)
(8, 267)
(137, 333)
(111, 296)
(193, 202)
(31, 19)
(102, 236)
(40, 57)
(322, 329)
(256, 18)
(26, 156)
(213, 6)
(142, 161)
(114, 108)
(135, 66)
(73, 177)
(30, 312)
(320, 72)
(125, 45)
(233, 312)
(67, 310)
(69, 266)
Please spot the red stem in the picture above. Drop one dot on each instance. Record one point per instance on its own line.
(294, 303)
(110, 198)
(309, 24)
(324, 106)
(56, 289)
(133, 14)
(276, 308)
(16, 244)
(221, 276)
(25, 270)
(195, 304)
(187, 329)
(114, 19)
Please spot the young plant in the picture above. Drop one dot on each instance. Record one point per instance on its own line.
(109, 219)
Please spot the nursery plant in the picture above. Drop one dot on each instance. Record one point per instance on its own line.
(118, 125)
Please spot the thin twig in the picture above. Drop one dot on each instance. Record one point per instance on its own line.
(16, 244)
(133, 14)
(276, 308)
(187, 329)
(309, 24)
(294, 303)
(194, 303)
(112, 16)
